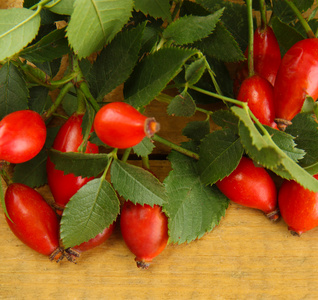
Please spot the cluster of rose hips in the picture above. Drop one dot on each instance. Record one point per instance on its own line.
(36, 223)
(275, 94)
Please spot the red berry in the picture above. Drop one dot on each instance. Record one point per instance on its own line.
(119, 125)
(297, 78)
(96, 241)
(258, 93)
(22, 136)
(144, 230)
(68, 139)
(34, 222)
(298, 206)
(251, 186)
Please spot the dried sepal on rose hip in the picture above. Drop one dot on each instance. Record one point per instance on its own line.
(120, 125)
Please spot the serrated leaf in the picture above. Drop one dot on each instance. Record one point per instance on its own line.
(286, 35)
(136, 184)
(32, 172)
(219, 148)
(194, 71)
(264, 151)
(234, 18)
(39, 100)
(219, 40)
(193, 208)
(188, 29)
(18, 27)
(115, 63)
(182, 105)
(144, 148)
(226, 119)
(154, 8)
(92, 209)
(62, 7)
(153, 73)
(196, 130)
(304, 128)
(13, 91)
(94, 23)
(50, 47)
(79, 164)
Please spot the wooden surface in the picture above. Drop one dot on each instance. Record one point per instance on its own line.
(245, 257)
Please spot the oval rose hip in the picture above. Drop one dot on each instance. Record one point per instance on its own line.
(251, 186)
(22, 136)
(120, 125)
(298, 207)
(144, 230)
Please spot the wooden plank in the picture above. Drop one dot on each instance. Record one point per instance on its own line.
(245, 257)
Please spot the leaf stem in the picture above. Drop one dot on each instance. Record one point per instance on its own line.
(126, 155)
(302, 20)
(176, 147)
(250, 59)
(112, 155)
(58, 100)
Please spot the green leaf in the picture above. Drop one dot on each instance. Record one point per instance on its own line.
(304, 128)
(32, 172)
(50, 47)
(13, 91)
(265, 152)
(219, 148)
(182, 105)
(18, 27)
(116, 62)
(94, 23)
(286, 35)
(39, 100)
(196, 130)
(136, 184)
(189, 29)
(153, 73)
(226, 119)
(92, 209)
(194, 71)
(154, 8)
(87, 125)
(219, 40)
(144, 148)
(234, 18)
(193, 208)
(63, 7)
(79, 164)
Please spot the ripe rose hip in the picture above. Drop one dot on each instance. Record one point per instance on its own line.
(144, 230)
(97, 240)
(34, 222)
(120, 125)
(251, 186)
(298, 207)
(22, 136)
(68, 139)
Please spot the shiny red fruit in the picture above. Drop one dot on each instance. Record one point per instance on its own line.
(68, 139)
(33, 221)
(144, 230)
(267, 57)
(298, 207)
(251, 186)
(258, 93)
(297, 78)
(96, 241)
(22, 136)
(120, 125)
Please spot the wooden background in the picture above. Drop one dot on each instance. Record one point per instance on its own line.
(245, 257)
